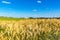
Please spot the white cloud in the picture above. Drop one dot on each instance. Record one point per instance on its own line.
(5, 2)
(34, 10)
(39, 1)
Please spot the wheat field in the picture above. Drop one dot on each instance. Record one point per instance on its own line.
(30, 29)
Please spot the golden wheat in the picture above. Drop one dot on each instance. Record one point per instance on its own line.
(30, 29)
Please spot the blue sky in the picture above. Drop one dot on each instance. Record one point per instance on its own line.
(30, 8)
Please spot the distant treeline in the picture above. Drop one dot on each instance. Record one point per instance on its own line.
(2, 17)
(44, 18)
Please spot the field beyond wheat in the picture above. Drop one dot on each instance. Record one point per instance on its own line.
(30, 29)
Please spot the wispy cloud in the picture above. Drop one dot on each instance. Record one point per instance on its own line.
(34, 10)
(39, 1)
(5, 2)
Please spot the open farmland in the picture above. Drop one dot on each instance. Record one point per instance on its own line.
(30, 29)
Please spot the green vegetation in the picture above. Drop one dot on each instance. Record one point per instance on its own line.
(10, 18)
